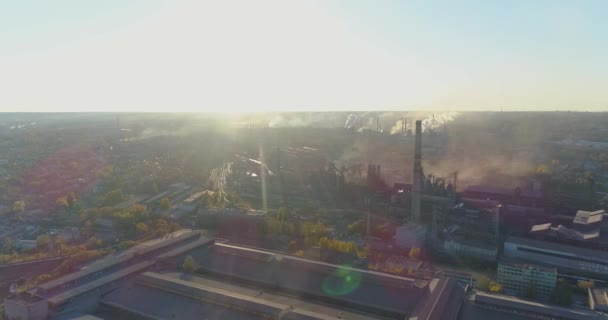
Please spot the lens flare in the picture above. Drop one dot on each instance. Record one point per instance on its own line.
(343, 281)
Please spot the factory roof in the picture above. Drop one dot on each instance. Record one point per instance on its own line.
(576, 234)
(540, 227)
(112, 261)
(480, 203)
(86, 317)
(442, 302)
(103, 280)
(525, 265)
(194, 197)
(564, 249)
(588, 217)
(503, 191)
(25, 298)
(600, 298)
(246, 299)
(374, 290)
(525, 306)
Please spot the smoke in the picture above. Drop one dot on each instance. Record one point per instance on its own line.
(350, 121)
(315, 120)
(489, 169)
(396, 129)
(429, 121)
(281, 121)
(438, 120)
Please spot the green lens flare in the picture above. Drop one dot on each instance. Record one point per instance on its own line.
(343, 281)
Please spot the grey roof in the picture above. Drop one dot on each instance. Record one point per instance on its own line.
(25, 298)
(576, 234)
(540, 227)
(535, 307)
(588, 217)
(109, 262)
(376, 290)
(87, 317)
(442, 301)
(600, 298)
(69, 294)
(267, 303)
(513, 262)
(597, 255)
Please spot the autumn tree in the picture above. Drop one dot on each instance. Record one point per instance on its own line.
(62, 202)
(60, 244)
(495, 287)
(141, 228)
(483, 283)
(113, 197)
(165, 203)
(43, 241)
(18, 206)
(190, 265)
(414, 253)
(584, 285)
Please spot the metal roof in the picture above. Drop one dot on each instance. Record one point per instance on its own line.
(564, 249)
(588, 217)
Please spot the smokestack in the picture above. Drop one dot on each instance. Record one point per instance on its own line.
(417, 183)
(403, 125)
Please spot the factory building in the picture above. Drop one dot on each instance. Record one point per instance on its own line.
(598, 299)
(496, 306)
(517, 278)
(470, 248)
(564, 257)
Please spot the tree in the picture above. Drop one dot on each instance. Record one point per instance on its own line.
(543, 170)
(483, 283)
(139, 212)
(113, 197)
(8, 245)
(165, 203)
(414, 253)
(61, 245)
(62, 202)
(18, 206)
(43, 241)
(584, 285)
(72, 200)
(141, 228)
(43, 278)
(356, 227)
(495, 287)
(190, 265)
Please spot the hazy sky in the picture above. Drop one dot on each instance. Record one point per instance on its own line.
(170, 55)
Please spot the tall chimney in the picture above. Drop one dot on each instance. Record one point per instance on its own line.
(417, 183)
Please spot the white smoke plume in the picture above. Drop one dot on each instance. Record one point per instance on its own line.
(396, 129)
(281, 121)
(436, 121)
(350, 121)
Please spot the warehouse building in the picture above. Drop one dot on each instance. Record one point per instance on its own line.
(517, 278)
(564, 257)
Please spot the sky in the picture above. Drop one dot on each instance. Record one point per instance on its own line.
(309, 55)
